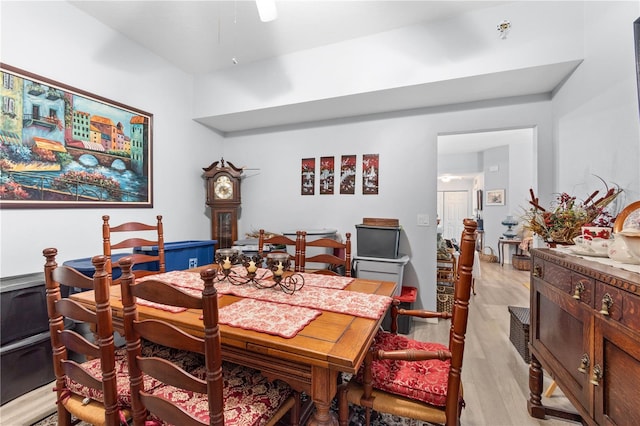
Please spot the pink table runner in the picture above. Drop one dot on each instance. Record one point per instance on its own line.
(311, 297)
(363, 305)
(326, 281)
(273, 318)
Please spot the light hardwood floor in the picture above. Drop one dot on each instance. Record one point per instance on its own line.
(495, 377)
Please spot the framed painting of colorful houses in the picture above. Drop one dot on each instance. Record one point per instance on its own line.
(63, 147)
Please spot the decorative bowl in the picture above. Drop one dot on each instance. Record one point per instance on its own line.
(598, 246)
(619, 251)
(631, 238)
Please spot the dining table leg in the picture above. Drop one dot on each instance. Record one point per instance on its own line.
(324, 384)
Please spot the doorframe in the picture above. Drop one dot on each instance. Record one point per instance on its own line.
(525, 145)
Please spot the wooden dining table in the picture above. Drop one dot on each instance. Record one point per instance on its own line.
(309, 362)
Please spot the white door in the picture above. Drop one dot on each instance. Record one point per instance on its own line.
(454, 210)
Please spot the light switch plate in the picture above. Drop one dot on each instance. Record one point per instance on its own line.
(423, 219)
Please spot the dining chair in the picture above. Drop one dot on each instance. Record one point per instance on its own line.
(135, 235)
(279, 241)
(91, 378)
(216, 393)
(409, 378)
(334, 262)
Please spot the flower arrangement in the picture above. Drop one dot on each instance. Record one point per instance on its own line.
(564, 221)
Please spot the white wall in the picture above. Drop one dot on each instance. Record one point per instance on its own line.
(522, 162)
(496, 177)
(596, 121)
(407, 161)
(461, 163)
(56, 41)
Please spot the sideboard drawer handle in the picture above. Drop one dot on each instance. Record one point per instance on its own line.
(578, 291)
(537, 271)
(596, 377)
(584, 363)
(607, 302)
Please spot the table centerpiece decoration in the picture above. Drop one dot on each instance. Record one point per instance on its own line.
(564, 220)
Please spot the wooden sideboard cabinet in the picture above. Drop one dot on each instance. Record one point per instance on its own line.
(585, 332)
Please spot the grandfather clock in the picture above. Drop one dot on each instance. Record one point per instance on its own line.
(223, 196)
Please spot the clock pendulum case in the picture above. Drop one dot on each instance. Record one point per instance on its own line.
(223, 196)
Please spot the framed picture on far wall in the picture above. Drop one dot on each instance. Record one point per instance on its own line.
(495, 197)
(348, 174)
(308, 176)
(370, 171)
(327, 173)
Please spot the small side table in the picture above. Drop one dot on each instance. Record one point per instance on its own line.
(508, 242)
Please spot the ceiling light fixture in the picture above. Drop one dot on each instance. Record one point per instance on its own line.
(267, 10)
(503, 29)
(234, 60)
(448, 178)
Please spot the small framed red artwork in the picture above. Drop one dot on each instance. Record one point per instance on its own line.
(308, 175)
(327, 175)
(348, 174)
(370, 172)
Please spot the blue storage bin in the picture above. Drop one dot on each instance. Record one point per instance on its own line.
(86, 267)
(180, 255)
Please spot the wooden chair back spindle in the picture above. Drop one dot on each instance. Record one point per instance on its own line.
(330, 259)
(64, 342)
(281, 240)
(135, 235)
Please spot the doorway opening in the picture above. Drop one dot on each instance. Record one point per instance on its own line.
(470, 164)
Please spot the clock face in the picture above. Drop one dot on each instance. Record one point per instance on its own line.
(223, 188)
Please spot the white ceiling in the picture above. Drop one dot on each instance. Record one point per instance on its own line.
(203, 36)
(522, 82)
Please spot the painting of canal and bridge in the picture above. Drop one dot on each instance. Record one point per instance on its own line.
(62, 147)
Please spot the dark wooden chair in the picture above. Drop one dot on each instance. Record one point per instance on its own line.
(88, 383)
(135, 234)
(281, 240)
(334, 263)
(394, 376)
(217, 393)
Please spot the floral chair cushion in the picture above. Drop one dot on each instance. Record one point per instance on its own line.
(189, 361)
(94, 368)
(249, 398)
(421, 380)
